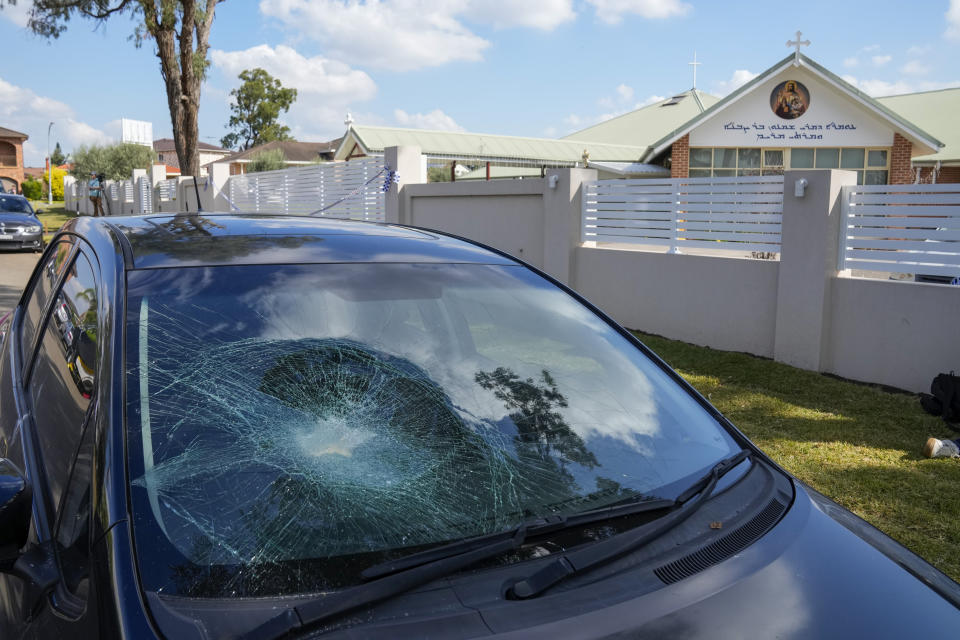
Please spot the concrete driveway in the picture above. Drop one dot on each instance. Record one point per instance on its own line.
(15, 270)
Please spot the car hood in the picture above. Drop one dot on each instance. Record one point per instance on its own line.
(18, 218)
(819, 573)
(811, 576)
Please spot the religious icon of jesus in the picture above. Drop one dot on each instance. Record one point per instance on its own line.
(789, 99)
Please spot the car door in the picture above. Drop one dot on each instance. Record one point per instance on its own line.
(58, 376)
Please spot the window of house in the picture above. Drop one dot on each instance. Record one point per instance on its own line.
(735, 161)
(872, 165)
(8, 155)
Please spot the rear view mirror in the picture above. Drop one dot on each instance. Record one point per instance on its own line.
(15, 512)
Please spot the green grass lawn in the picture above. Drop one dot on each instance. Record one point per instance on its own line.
(53, 216)
(858, 444)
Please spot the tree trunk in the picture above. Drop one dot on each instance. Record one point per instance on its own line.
(182, 73)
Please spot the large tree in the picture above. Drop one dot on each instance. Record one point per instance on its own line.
(57, 158)
(180, 30)
(255, 110)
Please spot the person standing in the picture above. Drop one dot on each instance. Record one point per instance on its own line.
(95, 190)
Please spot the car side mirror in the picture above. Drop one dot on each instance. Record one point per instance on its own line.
(16, 500)
(37, 211)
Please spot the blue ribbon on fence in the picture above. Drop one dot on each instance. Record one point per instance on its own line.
(391, 178)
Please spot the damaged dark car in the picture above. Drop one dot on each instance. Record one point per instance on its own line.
(229, 426)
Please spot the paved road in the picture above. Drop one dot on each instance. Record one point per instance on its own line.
(15, 270)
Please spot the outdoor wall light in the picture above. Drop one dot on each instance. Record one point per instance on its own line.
(799, 187)
(552, 181)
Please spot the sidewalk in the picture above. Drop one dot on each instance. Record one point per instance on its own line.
(15, 270)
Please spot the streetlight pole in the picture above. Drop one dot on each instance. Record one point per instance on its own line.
(49, 169)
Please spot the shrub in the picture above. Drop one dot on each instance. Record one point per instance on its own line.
(58, 175)
(116, 161)
(267, 161)
(32, 189)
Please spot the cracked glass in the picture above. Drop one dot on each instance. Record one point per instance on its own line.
(290, 425)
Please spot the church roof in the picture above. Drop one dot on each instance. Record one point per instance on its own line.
(936, 112)
(648, 124)
(456, 145)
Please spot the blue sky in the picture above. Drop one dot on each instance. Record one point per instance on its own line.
(531, 67)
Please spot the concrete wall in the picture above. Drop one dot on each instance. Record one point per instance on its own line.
(798, 310)
(506, 214)
(724, 303)
(896, 333)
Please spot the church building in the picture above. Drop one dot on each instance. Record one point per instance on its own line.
(799, 115)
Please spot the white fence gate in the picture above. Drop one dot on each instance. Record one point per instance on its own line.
(351, 189)
(739, 214)
(903, 228)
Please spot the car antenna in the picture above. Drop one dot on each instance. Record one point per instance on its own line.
(197, 190)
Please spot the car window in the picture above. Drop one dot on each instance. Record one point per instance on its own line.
(73, 521)
(15, 205)
(64, 374)
(43, 285)
(287, 425)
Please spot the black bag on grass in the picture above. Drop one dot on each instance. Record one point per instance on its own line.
(945, 399)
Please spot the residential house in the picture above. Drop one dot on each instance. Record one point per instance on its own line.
(166, 152)
(295, 153)
(11, 159)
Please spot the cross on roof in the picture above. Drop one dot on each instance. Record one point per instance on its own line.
(695, 64)
(798, 43)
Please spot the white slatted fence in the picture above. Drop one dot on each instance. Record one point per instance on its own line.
(737, 214)
(146, 195)
(351, 189)
(912, 228)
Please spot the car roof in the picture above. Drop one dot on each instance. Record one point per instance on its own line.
(12, 196)
(179, 240)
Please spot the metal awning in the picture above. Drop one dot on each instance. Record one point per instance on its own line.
(635, 169)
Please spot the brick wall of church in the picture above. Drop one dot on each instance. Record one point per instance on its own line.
(680, 158)
(901, 171)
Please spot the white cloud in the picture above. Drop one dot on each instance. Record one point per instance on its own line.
(18, 14)
(880, 88)
(612, 11)
(334, 81)
(915, 68)
(624, 92)
(919, 50)
(410, 34)
(436, 120)
(325, 88)
(537, 14)
(879, 61)
(649, 101)
(739, 78)
(851, 62)
(24, 110)
(869, 48)
(953, 20)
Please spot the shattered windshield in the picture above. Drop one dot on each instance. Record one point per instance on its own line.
(290, 425)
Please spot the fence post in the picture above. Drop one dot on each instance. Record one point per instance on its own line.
(808, 263)
(139, 206)
(409, 170)
(563, 219)
(674, 221)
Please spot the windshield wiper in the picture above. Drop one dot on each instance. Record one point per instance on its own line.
(603, 551)
(398, 576)
(534, 528)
